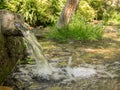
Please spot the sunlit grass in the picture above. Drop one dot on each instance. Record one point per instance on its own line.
(77, 30)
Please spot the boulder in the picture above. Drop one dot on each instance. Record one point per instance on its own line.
(11, 43)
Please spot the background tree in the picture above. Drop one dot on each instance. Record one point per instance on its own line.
(68, 11)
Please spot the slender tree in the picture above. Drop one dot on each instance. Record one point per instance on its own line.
(67, 12)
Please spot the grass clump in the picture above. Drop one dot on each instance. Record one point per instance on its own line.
(77, 31)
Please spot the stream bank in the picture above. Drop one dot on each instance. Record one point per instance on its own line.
(102, 56)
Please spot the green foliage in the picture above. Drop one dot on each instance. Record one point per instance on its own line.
(105, 10)
(37, 12)
(2, 4)
(112, 15)
(55, 9)
(4, 73)
(14, 5)
(26, 60)
(30, 11)
(99, 6)
(86, 11)
(115, 19)
(28, 8)
(77, 30)
(47, 12)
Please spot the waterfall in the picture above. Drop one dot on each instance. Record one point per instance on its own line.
(42, 68)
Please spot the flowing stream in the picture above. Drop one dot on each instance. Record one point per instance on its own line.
(42, 68)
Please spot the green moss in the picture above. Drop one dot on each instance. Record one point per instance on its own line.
(62, 64)
(15, 47)
(4, 73)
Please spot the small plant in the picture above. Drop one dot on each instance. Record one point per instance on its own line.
(77, 30)
(2, 4)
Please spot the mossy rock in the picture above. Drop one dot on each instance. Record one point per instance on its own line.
(3, 57)
(10, 52)
(11, 45)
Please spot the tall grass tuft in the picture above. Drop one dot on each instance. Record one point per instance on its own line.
(78, 30)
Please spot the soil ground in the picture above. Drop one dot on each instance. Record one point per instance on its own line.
(104, 51)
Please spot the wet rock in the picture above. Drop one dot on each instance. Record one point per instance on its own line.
(11, 43)
(7, 22)
(102, 78)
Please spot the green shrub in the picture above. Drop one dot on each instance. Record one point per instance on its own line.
(37, 12)
(86, 11)
(77, 30)
(14, 5)
(30, 11)
(106, 11)
(114, 19)
(47, 12)
(99, 6)
(55, 9)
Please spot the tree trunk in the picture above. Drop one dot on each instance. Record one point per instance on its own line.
(67, 13)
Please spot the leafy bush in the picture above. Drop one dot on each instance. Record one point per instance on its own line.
(77, 30)
(56, 8)
(86, 11)
(14, 5)
(37, 12)
(114, 18)
(99, 6)
(105, 10)
(30, 11)
(47, 12)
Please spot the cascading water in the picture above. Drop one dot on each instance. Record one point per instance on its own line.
(42, 67)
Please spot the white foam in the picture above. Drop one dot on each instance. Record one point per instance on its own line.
(83, 72)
